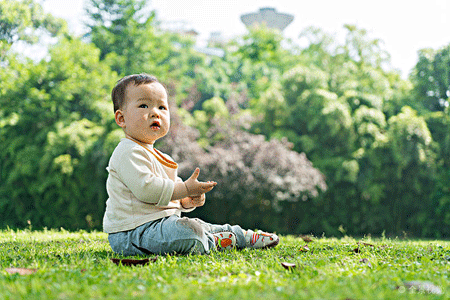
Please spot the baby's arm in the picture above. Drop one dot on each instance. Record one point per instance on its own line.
(192, 187)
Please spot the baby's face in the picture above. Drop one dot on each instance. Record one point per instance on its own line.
(146, 116)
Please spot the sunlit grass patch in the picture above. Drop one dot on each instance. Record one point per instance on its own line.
(77, 265)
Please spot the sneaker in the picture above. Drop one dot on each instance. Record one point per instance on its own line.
(225, 240)
(261, 240)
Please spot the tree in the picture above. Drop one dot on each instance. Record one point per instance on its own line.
(25, 20)
(431, 79)
(113, 24)
(411, 172)
(260, 58)
(123, 31)
(126, 33)
(54, 138)
(431, 96)
(334, 106)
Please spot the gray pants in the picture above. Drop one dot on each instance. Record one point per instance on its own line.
(171, 235)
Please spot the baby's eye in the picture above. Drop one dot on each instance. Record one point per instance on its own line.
(162, 107)
(143, 106)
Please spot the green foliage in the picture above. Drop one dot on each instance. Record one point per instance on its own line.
(370, 126)
(383, 143)
(25, 20)
(125, 35)
(334, 106)
(263, 44)
(410, 137)
(113, 24)
(408, 172)
(51, 150)
(129, 42)
(431, 78)
(261, 59)
(439, 125)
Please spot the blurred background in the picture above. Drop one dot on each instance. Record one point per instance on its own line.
(314, 118)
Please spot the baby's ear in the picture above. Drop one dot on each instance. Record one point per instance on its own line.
(120, 120)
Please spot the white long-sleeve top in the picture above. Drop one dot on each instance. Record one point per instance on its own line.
(140, 185)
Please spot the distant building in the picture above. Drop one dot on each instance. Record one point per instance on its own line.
(216, 38)
(268, 16)
(184, 28)
(180, 27)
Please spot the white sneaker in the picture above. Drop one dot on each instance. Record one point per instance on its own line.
(225, 240)
(261, 240)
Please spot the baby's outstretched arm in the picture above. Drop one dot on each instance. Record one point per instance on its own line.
(192, 187)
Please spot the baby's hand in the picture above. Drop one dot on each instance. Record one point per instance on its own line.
(196, 188)
(193, 201)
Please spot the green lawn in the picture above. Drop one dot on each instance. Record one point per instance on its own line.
(77, 265)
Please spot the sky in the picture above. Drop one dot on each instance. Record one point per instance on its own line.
(404, 26)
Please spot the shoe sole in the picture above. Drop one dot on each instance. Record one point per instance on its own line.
(224, 243)
(271, 245)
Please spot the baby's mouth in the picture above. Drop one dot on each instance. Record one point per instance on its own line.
(155, 125)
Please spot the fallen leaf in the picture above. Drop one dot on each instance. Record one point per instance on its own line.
(21, 271)
(288, 266)
(366, 261)
(304, 248)
(133, 262)
(357, 250)
(307, 238)
(423, 286)
(366, 244)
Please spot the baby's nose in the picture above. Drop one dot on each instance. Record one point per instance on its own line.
(154, 113)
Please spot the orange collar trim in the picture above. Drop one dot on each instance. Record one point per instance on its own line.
(158, 155)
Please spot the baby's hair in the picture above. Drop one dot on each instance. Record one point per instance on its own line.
(118, 92)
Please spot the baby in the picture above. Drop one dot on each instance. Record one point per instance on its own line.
(146, 197)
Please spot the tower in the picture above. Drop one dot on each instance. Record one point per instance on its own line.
(268, 16)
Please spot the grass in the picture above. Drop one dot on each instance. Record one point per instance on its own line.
(77, 265)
